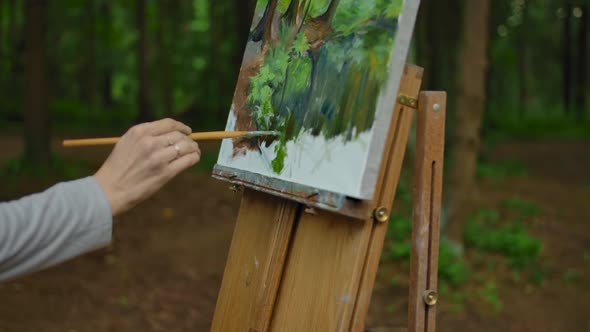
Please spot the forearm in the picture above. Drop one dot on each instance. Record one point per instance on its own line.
(45, 229)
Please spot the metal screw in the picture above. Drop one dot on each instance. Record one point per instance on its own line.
(381, 214)
(430, 297)
(436, 107)
(235, 188)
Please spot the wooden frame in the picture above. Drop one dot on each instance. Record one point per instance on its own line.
(295, 268)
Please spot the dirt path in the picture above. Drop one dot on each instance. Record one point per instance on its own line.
(165, 266)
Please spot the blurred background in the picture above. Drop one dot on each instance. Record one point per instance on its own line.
(515, 254)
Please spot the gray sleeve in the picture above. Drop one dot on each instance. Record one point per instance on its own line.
(47, 228)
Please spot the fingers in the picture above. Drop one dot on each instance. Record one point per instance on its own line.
(164, 126)
(182, 163)
(172, 138)
(180, 148)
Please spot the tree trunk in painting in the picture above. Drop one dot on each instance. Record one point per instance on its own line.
(567, 57)
(330, 11)
(167, 88)
(582, 81)
(264, 30)
(36, 129)
(471, 103)
(144, 111)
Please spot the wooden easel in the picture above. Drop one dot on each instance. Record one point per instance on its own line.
(292, 267)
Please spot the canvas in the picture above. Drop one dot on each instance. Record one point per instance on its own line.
(324, 74)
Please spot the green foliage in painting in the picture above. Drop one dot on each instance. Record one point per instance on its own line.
(313, 43)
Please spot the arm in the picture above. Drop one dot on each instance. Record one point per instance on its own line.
(48, 228)
(75, 217)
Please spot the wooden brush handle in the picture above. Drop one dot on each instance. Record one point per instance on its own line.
(203, 136)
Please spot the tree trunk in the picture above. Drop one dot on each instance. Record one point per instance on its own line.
(291, 12)
(582, 64)
(567, 57)
(143, 103)
(471, 103)
(331, 11)
(107, 71)
(244, 10)
(263, 31)
(167, 88)
(12, 32)
(2, 37)
(523, 61)
(37, 148)
(89, 70)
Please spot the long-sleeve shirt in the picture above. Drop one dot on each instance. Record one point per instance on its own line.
(44, 229)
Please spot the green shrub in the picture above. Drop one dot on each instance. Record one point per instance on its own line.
(451, 265)
(511, 239)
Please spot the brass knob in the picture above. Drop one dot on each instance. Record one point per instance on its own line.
(235, 188)
(381, 214)
(430, 297)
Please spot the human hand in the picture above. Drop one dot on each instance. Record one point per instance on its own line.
(144, 160)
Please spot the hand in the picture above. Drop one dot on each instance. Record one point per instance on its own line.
(144, 160)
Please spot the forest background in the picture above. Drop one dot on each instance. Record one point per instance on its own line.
(516, 219)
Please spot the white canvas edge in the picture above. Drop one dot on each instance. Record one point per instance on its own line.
(388, 98)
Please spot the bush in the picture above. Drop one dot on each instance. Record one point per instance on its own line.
(484, 231)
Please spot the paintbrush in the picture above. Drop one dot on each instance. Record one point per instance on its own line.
(202, 136)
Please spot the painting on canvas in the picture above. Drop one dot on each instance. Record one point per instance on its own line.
(323, 74)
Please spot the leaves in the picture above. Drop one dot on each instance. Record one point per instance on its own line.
(300, 44)
(278, 163)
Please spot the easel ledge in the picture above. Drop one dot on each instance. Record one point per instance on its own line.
(310, 197)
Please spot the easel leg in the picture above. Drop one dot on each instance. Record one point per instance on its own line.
(427, 194)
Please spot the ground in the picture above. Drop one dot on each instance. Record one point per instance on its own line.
(164, 269)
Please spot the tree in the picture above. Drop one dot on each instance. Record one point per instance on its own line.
(107, 68)
(523, 59)
(243, 11)
(89, 70)
(582, 72)
(36, 129)
(143, 102)
(164, 12)
(471, 103)
(567, 57)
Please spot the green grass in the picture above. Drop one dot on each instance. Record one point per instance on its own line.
(571, 276)
(501, 170)
(485, 231)
(523, 207)
(489, 293)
